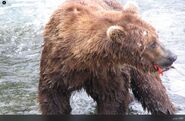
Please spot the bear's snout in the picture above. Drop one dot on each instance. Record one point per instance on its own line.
(168, 60)
(172, 58)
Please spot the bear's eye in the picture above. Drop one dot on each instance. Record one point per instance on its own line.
(153, 45)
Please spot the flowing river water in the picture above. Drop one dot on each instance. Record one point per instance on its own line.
(21, 27)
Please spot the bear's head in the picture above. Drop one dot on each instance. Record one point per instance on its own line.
(140, 40)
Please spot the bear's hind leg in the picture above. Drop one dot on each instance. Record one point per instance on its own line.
(53, 101)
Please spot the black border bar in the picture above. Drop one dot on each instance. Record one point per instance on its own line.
(91, 118)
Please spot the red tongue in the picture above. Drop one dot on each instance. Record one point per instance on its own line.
(159, 69)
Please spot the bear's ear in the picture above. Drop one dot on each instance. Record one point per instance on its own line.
(131, 7)
(116, 33)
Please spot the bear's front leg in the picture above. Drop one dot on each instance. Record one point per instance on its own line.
(111, 94)
(54, 101)
(117, 105)
(151, 93)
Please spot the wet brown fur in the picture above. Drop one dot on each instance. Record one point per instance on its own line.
(78, 54)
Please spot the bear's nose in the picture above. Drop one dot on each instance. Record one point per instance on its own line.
(172, 58)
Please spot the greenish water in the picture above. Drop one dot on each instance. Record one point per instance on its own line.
(21, 26)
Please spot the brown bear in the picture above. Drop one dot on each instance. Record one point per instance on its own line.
(103, 51)
(152, 93)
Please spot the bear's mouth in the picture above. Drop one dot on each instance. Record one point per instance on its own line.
(160, 69)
